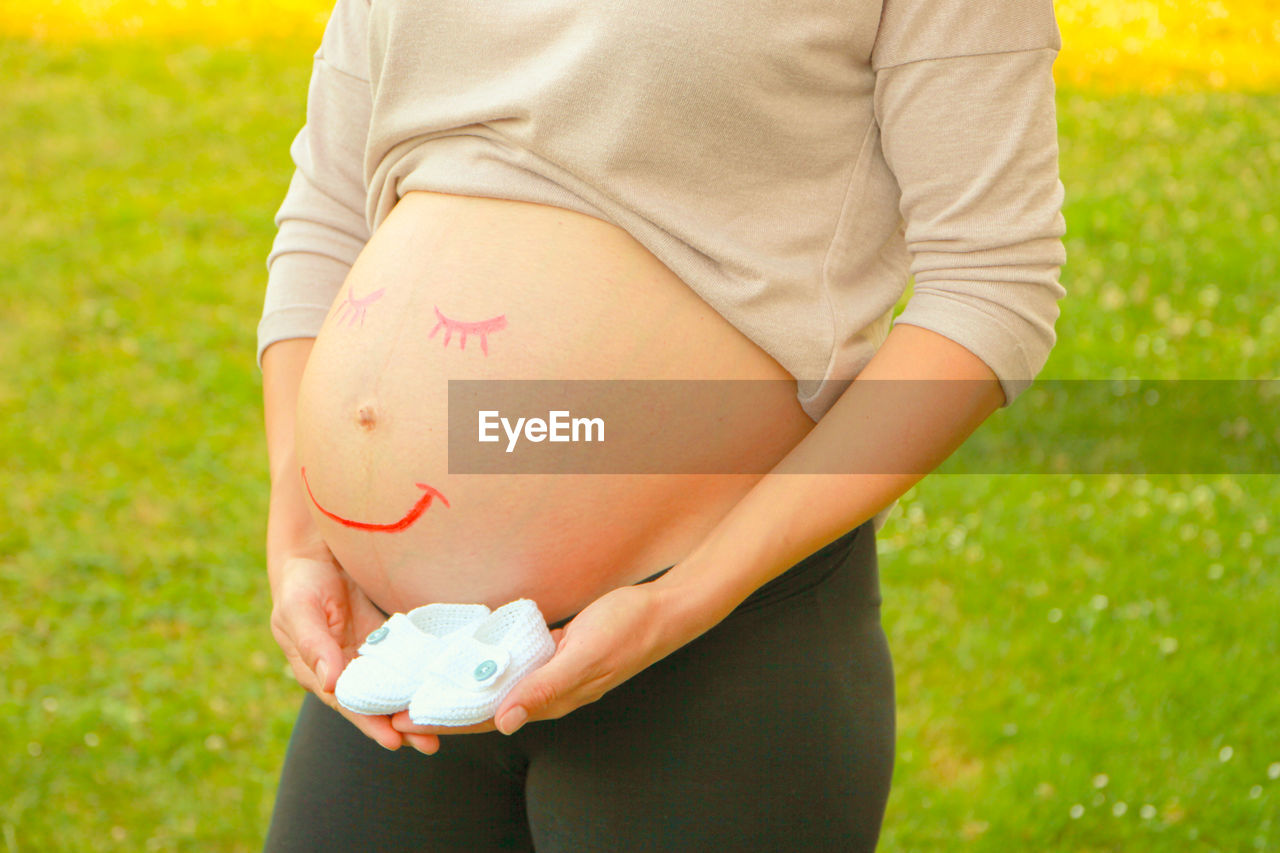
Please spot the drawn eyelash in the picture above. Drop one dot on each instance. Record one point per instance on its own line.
(357, 307)
(483, 328)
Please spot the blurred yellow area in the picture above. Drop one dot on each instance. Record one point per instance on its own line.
(210, 21)
(1158, 45)
(1144, 45)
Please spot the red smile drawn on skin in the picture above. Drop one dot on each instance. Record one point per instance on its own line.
(394, 527)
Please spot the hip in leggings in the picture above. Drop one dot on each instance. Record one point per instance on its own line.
(772, 731)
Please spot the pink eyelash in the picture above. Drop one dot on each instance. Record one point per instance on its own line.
(358, 306)
(483, 328)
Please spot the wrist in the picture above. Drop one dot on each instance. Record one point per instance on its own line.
(692, 602)
(291, 528)
(742, 553)
(308, 549)
(301, 550)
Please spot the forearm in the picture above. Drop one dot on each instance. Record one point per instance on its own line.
(291, 531)
(887, 434)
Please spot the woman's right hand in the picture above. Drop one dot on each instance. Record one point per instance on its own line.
(319, 618)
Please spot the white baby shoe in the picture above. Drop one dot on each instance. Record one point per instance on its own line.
(468, 682)
(392, 660)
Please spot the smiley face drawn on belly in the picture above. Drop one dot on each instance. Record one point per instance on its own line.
(483, 328)
(391, 527)
(354, 309)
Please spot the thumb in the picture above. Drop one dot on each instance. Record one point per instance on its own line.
(532, 695)
(321, 654)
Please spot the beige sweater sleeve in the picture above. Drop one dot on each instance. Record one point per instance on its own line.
(321, 222)
(965, 101)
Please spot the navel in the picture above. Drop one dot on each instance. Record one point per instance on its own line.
(367, 416)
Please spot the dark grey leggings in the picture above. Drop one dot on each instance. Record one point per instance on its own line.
(772, 731)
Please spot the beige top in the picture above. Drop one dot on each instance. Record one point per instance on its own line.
(792, 162)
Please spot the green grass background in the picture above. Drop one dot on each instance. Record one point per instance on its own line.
(1083, 662)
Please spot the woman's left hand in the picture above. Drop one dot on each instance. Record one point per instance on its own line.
(609, 641)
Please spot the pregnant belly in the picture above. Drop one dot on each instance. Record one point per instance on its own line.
(454, 287)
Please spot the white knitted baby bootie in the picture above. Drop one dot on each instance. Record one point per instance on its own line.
(468, 682)
(389, 668)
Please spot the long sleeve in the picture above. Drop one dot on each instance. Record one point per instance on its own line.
(964, 98)
(321, 222)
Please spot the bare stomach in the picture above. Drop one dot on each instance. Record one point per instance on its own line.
(539, 293)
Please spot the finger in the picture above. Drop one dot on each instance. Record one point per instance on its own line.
(378, 728)
(544, 693)
(403, 724)
(318, 650)
(426, 744)
(302, 675)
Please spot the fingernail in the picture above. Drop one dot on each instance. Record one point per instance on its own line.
(513, 720)
(322, 673)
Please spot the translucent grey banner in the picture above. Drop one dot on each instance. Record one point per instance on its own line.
(747, 427)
